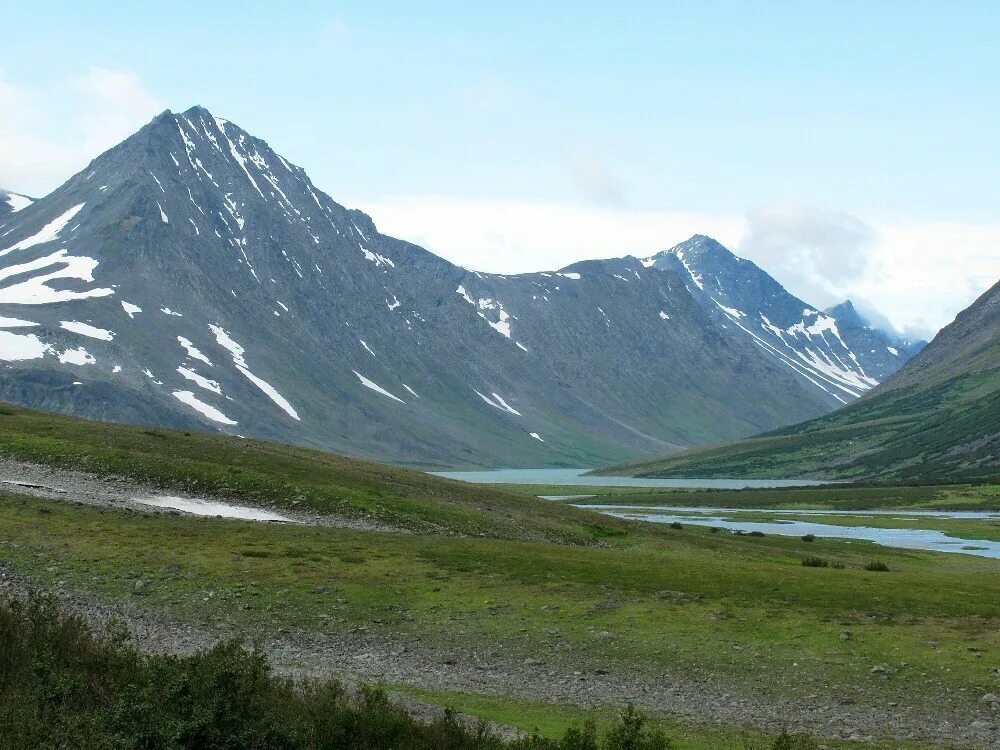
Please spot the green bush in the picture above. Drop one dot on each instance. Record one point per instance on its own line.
(632, 733)
(815, 562)
(877, 566)
(63, 686)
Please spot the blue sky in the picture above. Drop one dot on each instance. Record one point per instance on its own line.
(567, 130)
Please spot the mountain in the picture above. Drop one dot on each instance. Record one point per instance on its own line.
(843, 361)
(937, 419)
(192, 277)
(856, 327)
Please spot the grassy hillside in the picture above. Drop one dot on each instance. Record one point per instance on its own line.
(290, 477)
(938, 419)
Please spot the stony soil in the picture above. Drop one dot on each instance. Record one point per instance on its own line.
(38, 480)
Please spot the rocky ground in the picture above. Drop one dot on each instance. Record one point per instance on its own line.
(362, 656)
(37, 480)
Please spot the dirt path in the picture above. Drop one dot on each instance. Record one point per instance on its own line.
(38, 480)
(362, 656)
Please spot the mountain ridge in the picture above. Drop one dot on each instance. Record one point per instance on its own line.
(193, 277)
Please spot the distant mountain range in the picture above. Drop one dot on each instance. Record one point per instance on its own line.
(191, 277)
(937, 419)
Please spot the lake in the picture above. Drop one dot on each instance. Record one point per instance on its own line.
(575, 477)
(917, 539)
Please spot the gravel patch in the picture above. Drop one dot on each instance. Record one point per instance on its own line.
(38, 480)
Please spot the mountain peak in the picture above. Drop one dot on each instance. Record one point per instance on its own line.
(700, 243)
(196, 110)
(697, 246)
(846, 312)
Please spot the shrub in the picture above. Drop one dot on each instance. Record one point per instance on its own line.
(877, 566)
(815, 562)
(809, 538)
(676, 525)
(786, 741)
(63, 686)
(631, 733)
(756, 533)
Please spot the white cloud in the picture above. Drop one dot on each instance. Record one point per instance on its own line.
(119, 105)
(818, 253)
(918, 275)
(515, 237)
(40, 148)
(924, 273)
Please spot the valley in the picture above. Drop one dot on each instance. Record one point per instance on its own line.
(543, 376)
(475, 597)
(936, 420)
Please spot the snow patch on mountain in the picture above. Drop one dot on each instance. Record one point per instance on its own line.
(696, 278)
(85, 329)
(16, 347)
(192, 351)
(17, 202)
(499, 403)
(78, 356)
(15, 323)
(35, 290)
(368, 383)
(501, 325)
(207, 410)
(237, 352)
(48, 233)
(201, 380)
(465, 295)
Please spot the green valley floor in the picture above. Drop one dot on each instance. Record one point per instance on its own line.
(526, 612)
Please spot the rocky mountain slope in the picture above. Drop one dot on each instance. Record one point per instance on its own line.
(937, 419)
(192, 277)
(841, 354)
(13, 202)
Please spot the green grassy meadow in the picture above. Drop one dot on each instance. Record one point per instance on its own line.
(743, 610)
